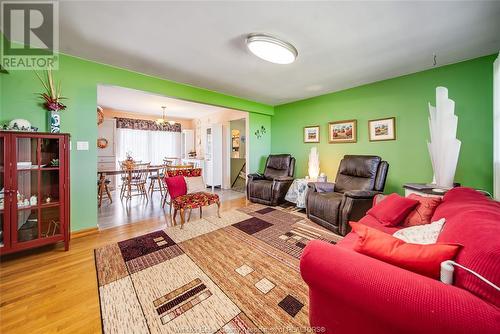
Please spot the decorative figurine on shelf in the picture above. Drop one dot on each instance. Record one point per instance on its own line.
(54, 163)
(48, 199)
(33, 200)
(52, 100)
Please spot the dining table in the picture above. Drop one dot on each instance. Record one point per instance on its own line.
(103, 172)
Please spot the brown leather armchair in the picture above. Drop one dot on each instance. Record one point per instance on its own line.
(270, 188)
(359, 179)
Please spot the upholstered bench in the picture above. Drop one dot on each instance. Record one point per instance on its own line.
(188, 197)
(193, 201)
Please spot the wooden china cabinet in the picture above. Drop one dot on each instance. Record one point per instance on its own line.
(34, 190)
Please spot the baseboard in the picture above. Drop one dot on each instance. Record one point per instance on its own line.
(85, 232)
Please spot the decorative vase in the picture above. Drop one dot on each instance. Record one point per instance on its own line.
(54, 121)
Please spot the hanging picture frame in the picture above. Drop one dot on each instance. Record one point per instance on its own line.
(382, 129)
(342, 131)
(311, 134)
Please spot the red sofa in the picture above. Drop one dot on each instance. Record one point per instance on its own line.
(353, 293)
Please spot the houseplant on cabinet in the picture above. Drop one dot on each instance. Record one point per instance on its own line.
(52, 101)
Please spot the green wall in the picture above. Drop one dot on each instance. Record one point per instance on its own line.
(260, 147)
(79, 84)
(470, 85)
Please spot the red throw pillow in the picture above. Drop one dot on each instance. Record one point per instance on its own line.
(392, 209)
(423, 212)
(422, 259)
(176, 186)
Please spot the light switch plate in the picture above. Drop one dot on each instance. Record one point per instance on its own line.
(82, 145)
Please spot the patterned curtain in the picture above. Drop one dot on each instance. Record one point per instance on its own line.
(142, 124)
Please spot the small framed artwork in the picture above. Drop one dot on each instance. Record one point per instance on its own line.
(311, 134)
(382, 129)
(342, 132)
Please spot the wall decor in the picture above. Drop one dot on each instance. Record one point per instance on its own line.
(100, 115)
(342, 131)
(260, 132)
(311, 134)
(102, 143)
(382, 129)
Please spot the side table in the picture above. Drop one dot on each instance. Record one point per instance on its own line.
(297, 192)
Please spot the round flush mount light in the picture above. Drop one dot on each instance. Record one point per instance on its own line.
(272, 49)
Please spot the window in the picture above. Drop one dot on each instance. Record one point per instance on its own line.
(148, 146)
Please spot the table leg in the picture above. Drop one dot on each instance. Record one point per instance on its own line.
(129, 185)
(218, 209)
(102, 178)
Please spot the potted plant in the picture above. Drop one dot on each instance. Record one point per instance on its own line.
(52, 100)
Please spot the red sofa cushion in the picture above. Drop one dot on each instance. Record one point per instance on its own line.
(176, 186)
(422, 214)
(392, 209)
(422, 259)
(473, 220)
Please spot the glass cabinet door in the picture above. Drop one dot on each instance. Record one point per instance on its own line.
(38, 186)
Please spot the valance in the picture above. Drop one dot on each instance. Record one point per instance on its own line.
(143, 124)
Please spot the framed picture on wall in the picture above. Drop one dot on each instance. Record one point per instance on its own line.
(311, 134)
(382, 129)
(342, 132)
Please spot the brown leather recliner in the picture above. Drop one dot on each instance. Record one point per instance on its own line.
(270, 188)
(359, 179)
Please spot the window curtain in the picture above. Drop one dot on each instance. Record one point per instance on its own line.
(146, 145)
(496, 128)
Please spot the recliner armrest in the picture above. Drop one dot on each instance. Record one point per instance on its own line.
(361, 194)
(283, 179)
(255, 176)
(321, 187)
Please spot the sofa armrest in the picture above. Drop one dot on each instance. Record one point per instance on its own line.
(350, 292)
(255, 176)
(321, 187)
(362, 194)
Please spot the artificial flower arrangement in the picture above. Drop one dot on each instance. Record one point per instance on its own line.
(52, 96)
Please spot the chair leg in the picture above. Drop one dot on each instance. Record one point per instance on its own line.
(151, 186)
(218, 209)
(107, 192)
(189, 216)
(182, 217)
(173, 217)
(201, 212)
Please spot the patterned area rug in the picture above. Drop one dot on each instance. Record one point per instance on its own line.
(234, 274)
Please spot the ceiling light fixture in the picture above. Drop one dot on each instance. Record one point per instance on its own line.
(163, 119)
(272, 49)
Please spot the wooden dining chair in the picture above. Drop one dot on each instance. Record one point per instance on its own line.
(137, 177)
(156, 180)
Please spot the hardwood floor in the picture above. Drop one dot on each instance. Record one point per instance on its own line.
(48, 290)
(137, 209)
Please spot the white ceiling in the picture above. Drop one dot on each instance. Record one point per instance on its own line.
(340, 44)
(143, 103)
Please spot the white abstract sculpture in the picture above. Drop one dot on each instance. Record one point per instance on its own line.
(313, 163)
(444, 147)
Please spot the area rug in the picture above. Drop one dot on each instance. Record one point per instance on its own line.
(234, 274)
